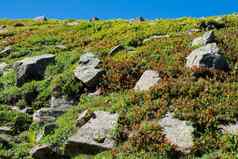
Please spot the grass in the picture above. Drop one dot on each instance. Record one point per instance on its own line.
(206, 102)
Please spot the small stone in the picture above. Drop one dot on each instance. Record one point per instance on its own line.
(155, 37)
(40, 18)
(45, 115)
(3, 67)
(72, 23)
(60, 102)
(178, 133)
(149, 79)
(5, 130)
(6, 51)
(116, 49)
(230, 129)
(62, 47)
(83, 118)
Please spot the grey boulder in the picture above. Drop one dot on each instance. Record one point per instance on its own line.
(149, 79)
(178, 133)
(32, 68)
(88, 71)
(46, 115)
(95, 136)
(207, 38)
(207, 57)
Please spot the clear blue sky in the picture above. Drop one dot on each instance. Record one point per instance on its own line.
(108, 9)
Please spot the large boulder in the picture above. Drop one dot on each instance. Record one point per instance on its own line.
(149, 79)
(207, 38)
(207, 57)
(46, 115)
(43, 152)
(88, 71)
(94, 136)
(178, 133)
(32, 68)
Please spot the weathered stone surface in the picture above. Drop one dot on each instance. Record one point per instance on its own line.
(149, 79)
(207, 57)
(116, 49)
(27, 110)
(97, 92)
(6, 51)
(47, 114)
(43, 152)
(230, 129)
(5, 130)
(88, 71)
(95, 136)
(178, 133)
(207, 38)
(40, 18)
(60, 102)
(32, 68)
(3, 66)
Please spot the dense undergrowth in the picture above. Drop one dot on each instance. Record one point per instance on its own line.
(206, 102)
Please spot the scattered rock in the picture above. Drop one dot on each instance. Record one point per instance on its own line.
(43, 152)
(116, 49)
(32, 68)
(212, 24)
(155, 37)
(5, 130)
(6, 51)
(60, 102)
(230, 129)
(207, 57)
(40, 18)
(62, 47)
(27, 110)
(138, 19)
(88, 71)
(93, 19)
(207, 38)
(19, 24)
(149, 79)
(94, 136)
(98, 92)
(45, 115)
(2, 27)
(3, 66)
(178, 133)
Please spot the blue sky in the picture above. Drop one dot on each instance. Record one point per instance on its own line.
(108, 9)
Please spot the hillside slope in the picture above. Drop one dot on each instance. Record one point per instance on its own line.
(56, 73)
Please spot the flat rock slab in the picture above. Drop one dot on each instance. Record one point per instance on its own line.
(32, 68)
(207, 57)
(94, 136)
(149, 79)
(178, 133)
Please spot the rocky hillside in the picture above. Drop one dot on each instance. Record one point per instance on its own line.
(138, 89)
